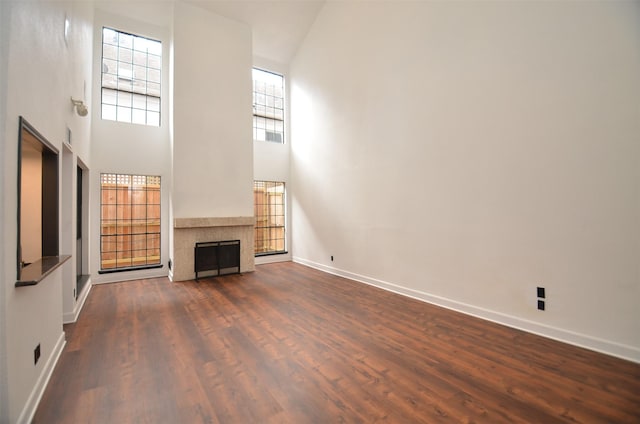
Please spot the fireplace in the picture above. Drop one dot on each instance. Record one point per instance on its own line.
(217, 258)
(189, 231)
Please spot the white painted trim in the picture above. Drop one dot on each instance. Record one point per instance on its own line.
(270, 259)
(608, 347)
(141, 274)
(29, 410)
(71, 317)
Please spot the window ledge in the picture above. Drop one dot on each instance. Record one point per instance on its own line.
(33, 273)
(280, 252)
(131, 268)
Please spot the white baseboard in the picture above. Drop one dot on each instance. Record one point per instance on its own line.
(71, 317)
(608, 347)
(30, 407)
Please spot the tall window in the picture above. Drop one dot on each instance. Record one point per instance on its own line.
(130, 78)
(268, 106)
(129, 222)
(269, 205)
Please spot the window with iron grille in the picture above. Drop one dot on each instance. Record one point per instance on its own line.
(129, 222)
(131, 68)
(268, 106)
(269, 206)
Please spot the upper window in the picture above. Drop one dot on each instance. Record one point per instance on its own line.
(268, 106)
(131, 68)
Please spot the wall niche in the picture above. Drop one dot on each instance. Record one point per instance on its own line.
(38, 224)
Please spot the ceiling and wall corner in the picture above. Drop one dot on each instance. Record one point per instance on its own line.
(278, 27)
(151, 12)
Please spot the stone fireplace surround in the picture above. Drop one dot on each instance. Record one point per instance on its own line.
(189, 231)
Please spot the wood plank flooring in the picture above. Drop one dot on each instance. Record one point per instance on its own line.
(289, 344)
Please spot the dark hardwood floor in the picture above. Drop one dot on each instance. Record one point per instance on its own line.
(289, 344)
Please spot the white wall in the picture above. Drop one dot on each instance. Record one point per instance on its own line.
(128, 148)
(212, 146)
(42, 72)
(271, 161)
(78, 74)
(5, 23)
(466, 152)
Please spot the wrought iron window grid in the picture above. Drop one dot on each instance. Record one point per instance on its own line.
(264, 214)
(268, 109)
(132, 184)
(131, 79)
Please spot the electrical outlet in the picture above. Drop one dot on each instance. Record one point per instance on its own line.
(36, 354)
(541, 292)
(541, 305)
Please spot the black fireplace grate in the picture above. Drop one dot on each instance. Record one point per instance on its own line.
(213, 258)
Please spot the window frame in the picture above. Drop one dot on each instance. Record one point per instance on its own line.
(144, 102)
(123, 222)
(282, 205)
(275, 112)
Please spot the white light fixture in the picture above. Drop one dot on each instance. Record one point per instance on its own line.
(80, 107)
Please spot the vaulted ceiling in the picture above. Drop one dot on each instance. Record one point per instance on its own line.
(278, 26)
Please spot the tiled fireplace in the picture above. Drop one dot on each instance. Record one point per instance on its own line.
(189, 231)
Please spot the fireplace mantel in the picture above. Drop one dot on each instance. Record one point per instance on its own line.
(225, 221)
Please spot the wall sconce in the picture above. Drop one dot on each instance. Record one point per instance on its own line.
(80, 107)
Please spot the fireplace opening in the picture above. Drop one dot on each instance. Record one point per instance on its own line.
(213, 258)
